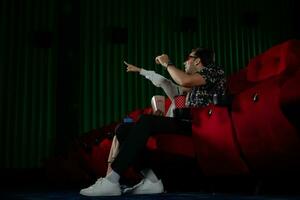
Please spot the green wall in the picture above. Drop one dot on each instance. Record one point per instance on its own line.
(27, 84)
(101, 91)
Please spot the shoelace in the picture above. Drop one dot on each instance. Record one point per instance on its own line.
(138, 185)
(134, 187)
(99, 180)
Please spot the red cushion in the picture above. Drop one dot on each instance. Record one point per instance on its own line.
(290, 90)
(216, 150)
(237, 82)
(276, 60)
(167, 104)
(173, 144)
(268, 140)
(290, 99)
(95, 161)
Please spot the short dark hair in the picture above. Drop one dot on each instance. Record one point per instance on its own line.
(206, 55)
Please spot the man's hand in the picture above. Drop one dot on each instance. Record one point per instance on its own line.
(162, 59)
(132, 68)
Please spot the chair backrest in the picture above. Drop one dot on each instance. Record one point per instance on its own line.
(279, 59)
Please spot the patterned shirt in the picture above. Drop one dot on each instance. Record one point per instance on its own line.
(200, 96)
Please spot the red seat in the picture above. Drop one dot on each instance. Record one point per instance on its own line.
(215, 145)
(267, 139)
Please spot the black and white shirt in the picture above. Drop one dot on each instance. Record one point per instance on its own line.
(200, 96)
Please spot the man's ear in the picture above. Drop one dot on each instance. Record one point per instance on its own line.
(197, 61)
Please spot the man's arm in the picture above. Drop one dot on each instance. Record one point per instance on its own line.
(180, 77)
(158, 80)
(184, 79)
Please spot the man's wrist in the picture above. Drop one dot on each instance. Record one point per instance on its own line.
(169, 63)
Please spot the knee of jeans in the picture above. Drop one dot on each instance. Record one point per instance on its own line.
(120, 129)
(144, 118)
(122, 132)
(146, 121)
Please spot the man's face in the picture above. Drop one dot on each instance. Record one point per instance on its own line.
(191, 63)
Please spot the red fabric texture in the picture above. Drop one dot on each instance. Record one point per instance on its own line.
(95, 161)
(266, 96)
(175, 144)
(290, 90)
(290, 98)
(180, 101)
(215, 147)
(267, 139)
(276, 60)
(238, 82)
(167, 104)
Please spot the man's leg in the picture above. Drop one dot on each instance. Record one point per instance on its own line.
(137, 138)
(109, 185)
(148, 125)
(135, 141)
(121, 133)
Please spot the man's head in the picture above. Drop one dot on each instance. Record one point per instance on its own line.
(198, 58)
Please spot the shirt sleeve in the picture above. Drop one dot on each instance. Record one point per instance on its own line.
(209, 75)
(170, 88)
(155, 78)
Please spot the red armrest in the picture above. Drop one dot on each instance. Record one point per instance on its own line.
(214, 142)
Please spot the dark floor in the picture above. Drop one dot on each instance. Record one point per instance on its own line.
(37, 194)
(32, 185)
(68, 195)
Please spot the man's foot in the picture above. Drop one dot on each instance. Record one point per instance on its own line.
(146, 187)
(102, 187)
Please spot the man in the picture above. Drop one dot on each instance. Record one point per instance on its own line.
(171, 90)
(202, 79)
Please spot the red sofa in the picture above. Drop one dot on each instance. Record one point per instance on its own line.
(259, 133)
(256, 134)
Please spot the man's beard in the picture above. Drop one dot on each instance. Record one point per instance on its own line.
(190, 69)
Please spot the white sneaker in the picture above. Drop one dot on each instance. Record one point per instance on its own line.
(146, 187)
(102, 187)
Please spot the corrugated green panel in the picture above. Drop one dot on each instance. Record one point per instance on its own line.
(27, 84)
(237, 30)
(3, 21)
